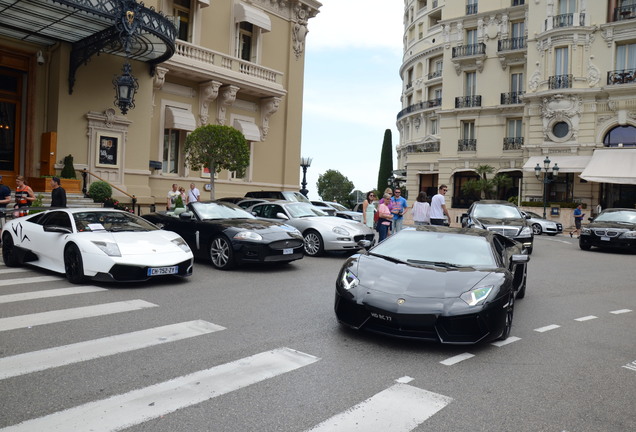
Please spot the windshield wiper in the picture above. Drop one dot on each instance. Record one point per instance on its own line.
(434, 263)
(392, 259)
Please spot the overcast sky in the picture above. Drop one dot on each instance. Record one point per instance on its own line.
(353, 54)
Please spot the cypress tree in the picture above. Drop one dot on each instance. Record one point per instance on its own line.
(386, 163)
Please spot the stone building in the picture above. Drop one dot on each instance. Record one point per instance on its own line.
(509, 83)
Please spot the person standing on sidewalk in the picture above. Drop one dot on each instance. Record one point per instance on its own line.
(421, 210)
(385, 218)
(578, 218)
(58, 194)
(5, 194)
(398, 208)
(438, 207)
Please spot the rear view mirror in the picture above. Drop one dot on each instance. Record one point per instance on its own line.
(281, 216)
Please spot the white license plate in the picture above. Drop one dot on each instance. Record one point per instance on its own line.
(605, 238)
(158, 271)
(288, 251)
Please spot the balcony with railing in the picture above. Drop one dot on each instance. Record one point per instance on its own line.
(467, 144)
(560, 81)
(518, 2)
(420, 106)
(468, 101)
(625, 12)
(431, 147)
(511, 98)
(565, 20)
(512, 143)
(624, 76)
(512, 44)
(471, 9)
(469, 50)
(435, 74)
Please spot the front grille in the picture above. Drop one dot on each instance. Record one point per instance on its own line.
(608, 232)
(123, 272)
(286, 244)
(508, 232)
(369, 237)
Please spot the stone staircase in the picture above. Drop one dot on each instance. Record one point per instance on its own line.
(72, 200)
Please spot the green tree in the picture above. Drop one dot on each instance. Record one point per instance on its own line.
(333, 186)
(217, 147)
(484, 187)
(386, 161)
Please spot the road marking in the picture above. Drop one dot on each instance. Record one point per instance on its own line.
(458, 358)
(585, 318)
(33, 295)
(404, 380)
(507, 341)
(400, 408)
(78, 352)
(138, 406)
(620, 311)
(547, 328)
(5, 270)
(29, 280)
(61, 315)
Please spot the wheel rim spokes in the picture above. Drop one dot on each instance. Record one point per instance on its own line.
(220, 252)
(311, 244)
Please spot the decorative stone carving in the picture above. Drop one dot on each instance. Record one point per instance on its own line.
(535, 78)
(159, 78)
(300, 30)
(559, 108)
(608, 35)
(110, 117)
(593, 73)
(228, 96)
(208, 92)
(269, 106)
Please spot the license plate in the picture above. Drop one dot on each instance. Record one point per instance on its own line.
(605, 238)
(288, 251)
(158, 271)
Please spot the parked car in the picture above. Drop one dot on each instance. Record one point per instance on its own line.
(540, 225)
(227, 235)
(325, 207)
(246, 203)
(613, 228)
(501, 217)
(320, 231)
(449, 285)
(102, 244)
(233, 200)
(343, 212)
(279, 195)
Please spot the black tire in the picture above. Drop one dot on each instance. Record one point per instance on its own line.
(314, 246)
(73, 264)
(8, 251)
(584, 246)
(510, 310)
(536, 229)
(221, 253)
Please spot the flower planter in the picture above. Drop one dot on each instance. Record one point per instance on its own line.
(40, 184)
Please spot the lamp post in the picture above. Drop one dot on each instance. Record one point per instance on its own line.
(305, 162)
(546, 179)
(128, 21)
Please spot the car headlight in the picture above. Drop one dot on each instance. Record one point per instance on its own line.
(349, 280)
(248, 235)
(341, 231)
(628, 235)
(586, 231)
(526, 231)
(109, 248)
(182, 244)
(476, 295)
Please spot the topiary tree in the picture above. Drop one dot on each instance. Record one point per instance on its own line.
(68, 171)
(100, 191)
(386, 161)
(217, 147)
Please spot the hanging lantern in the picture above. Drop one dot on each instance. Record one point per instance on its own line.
(125, 88)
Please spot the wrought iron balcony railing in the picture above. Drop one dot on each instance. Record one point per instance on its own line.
(518, 2)
(511, 98)
(560, 81)
(466, 145)
(512, 143)
(420, 106)
(625, 12)
(468, 101)
(567, 20)
(625, 76)
(469, 50)
(512, 44)
(471, 9)
(435, 74)
(423, 148)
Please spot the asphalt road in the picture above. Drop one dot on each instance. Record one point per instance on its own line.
(259, 349)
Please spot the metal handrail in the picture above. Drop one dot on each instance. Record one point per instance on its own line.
(85, 173)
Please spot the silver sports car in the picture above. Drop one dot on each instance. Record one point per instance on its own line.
(540, 225)
(321, 232)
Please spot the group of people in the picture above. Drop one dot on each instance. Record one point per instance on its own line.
(193, 195)
(386, 215)
(24, 196)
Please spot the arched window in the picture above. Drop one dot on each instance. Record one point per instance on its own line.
(621, 136)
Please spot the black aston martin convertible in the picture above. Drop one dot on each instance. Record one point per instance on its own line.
(227, 235)
(450, 285)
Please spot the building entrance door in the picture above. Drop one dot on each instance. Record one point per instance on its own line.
(11, 84)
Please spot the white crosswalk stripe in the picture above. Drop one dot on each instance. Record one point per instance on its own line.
(138, 406)
(9, 298)
(56, 316)
(29, 280)
(5, 270)
(59, 356)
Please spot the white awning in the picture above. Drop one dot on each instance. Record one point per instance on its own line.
(567, 164)
(243, 12)
(204, 3)
(612, 166)
(179, 118)
(250, 131)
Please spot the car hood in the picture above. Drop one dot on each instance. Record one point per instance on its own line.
(261, 226)
(333, 221)
(608, 224)
(136, 243)
(501, 222)
(385, 279)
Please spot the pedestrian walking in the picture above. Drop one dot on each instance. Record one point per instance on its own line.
(369, 210)
(193, 193)
(24, 196)
(58, 194)
(385, 218)
(578, 218)
(438, 207)
(399, 206)
(172, 197)
(421, 210)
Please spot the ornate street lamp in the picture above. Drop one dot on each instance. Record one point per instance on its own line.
(305, 162)
(127, 24)
(126, 86)
(546, 180)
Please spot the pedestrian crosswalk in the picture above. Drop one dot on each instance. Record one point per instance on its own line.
(400, 407)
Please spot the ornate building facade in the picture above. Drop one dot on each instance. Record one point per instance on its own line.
(196, 62)
(507, 83)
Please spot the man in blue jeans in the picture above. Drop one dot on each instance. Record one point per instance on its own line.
(398, 208)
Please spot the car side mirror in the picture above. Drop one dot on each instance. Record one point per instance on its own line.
(281, 216)
(520, 258)
(186, 216)
(57, 229)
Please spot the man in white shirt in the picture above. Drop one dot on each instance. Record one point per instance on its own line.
(193, 193)
(172, 197)
(438, 207)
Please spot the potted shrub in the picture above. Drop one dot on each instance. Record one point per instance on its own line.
(101, 192)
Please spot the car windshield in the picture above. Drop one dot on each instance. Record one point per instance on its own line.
(299, 210)
(219, 210)
(439, 248)
(295, 196)
(338, 207)
(624, 216)
(111, 221)
(496, 211)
